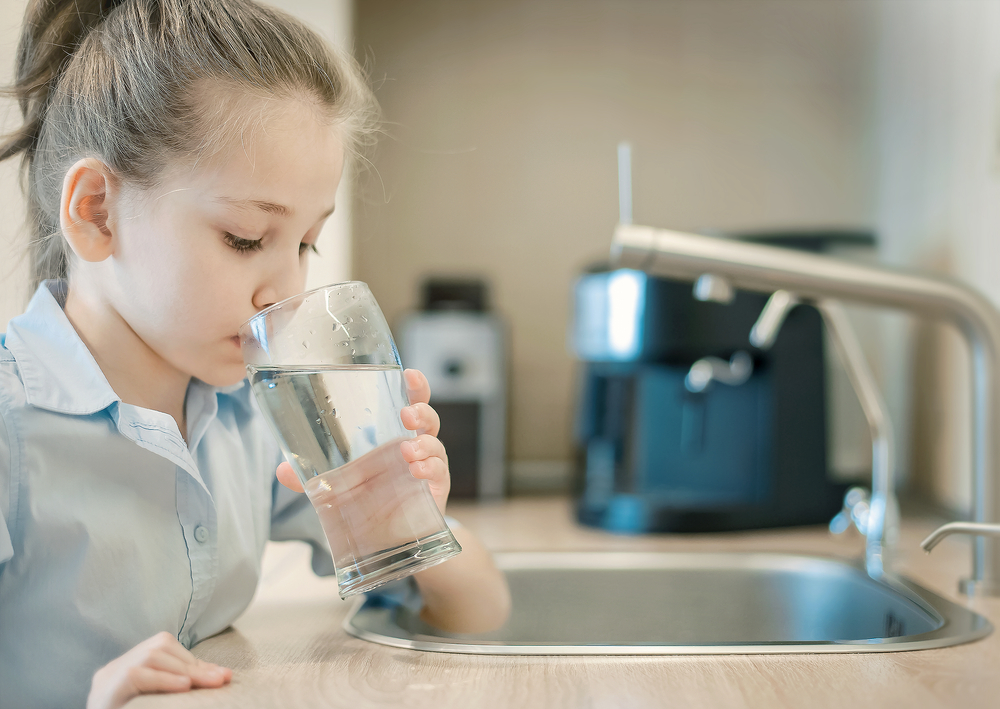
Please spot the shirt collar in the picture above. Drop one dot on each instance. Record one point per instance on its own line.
(58, 371)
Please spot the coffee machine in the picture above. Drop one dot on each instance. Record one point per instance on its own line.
(458, 343)
(681, 424)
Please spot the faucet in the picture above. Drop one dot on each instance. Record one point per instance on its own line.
(880, 519)
(821, 278)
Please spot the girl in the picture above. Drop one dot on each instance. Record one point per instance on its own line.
(180, 158)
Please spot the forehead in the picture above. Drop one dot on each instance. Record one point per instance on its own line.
(277, 155)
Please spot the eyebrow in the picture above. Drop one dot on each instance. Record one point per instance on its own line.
(264, 206)
(269, 207)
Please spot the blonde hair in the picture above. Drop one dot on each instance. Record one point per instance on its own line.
(119, 80)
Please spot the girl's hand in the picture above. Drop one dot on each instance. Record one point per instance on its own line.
(425, 453)
(159, 664)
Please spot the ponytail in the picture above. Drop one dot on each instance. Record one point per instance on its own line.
(53, 30)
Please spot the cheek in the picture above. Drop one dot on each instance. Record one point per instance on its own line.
(173, 284)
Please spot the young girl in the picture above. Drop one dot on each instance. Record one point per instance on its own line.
(180, 158)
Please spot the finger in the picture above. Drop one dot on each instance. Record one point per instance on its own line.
(208, 675)
(421, 418)
(202, 674)
(418, 389)
(168, 662)
(422, 447)
(145, 680)
(433, 470)
(288, 478)
(168, 643)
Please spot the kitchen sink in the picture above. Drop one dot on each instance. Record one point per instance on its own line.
(648, 603)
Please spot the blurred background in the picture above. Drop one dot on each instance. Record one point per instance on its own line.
(499, 163)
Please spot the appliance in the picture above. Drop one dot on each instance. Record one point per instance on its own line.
(459, 345)
(681, 424)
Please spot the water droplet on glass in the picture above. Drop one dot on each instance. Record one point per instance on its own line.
(364, 318)
(368, 411)
(305, 344)
(270, 385)
(319, 420)
(354, 352)
(312, 332)
(349, 319)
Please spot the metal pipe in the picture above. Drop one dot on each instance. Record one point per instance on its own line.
(882, 528)
(766, 269)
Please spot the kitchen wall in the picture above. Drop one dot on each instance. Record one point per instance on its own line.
(13, 237)
(499, 160)
(331, 18)
(938, 127)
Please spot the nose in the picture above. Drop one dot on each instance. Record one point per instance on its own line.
(283, 280)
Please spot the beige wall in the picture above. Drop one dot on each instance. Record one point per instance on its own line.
(504, 117)
(939, 208)
(13, 237)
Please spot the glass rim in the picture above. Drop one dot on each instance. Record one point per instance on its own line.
(303, 295)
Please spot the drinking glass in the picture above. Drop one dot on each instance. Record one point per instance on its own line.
(327, 376)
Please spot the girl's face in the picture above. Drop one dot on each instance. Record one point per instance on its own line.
(214, 244)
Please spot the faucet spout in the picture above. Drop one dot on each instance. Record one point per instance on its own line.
(946, 530)
(766, 269)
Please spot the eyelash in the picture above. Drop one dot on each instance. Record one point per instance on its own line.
(247, 245)
(243, 246)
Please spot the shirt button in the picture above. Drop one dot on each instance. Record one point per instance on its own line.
(201, 534)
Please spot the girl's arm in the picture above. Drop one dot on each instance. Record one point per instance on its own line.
(467, 593)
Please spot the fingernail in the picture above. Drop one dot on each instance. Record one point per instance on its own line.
(411, 447)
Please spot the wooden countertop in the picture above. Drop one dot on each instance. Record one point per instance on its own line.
(288, 649)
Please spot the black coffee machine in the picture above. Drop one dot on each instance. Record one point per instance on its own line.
(682, 425)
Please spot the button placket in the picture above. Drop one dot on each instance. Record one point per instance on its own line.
(196, 513)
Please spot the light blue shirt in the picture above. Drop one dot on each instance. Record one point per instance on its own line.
(112, 528)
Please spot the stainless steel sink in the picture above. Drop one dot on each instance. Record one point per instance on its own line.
(690, 603)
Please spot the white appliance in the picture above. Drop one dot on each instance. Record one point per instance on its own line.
(459, 346)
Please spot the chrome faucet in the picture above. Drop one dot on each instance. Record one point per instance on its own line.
(820, 279)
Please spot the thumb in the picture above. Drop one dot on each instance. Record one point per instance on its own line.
(288, 478)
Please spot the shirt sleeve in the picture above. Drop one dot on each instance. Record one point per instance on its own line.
(6, 548)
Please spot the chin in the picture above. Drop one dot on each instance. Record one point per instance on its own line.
(224, 376)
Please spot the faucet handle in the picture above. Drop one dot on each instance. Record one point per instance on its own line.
(857, 506)
(976, 528)
(772, 317)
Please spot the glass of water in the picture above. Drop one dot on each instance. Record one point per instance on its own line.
(327, 376)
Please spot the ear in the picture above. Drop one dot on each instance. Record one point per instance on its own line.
(86, 210)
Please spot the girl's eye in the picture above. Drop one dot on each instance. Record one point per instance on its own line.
(242, 245)
(303, 247)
